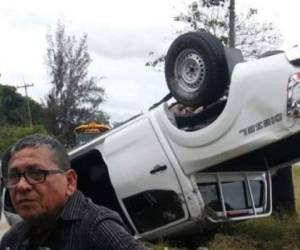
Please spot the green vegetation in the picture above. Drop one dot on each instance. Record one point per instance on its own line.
(14, 119)
(275, 232)
(74, 97)
(10, 134)
(271, 233)
(13, 108)
(296, 178)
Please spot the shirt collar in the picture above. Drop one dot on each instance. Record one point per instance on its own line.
(73, 208)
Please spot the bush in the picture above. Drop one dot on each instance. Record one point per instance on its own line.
(11, 134)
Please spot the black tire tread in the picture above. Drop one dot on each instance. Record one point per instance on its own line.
(215, 55)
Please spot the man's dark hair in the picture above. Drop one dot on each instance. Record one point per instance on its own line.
(59, 155)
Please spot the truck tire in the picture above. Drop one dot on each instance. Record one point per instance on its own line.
(196, 69)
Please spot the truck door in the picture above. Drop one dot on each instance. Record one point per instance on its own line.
(143, 178)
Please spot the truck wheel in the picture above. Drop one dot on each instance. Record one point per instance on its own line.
(196, 69)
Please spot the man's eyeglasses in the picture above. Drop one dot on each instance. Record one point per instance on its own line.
(32, 176)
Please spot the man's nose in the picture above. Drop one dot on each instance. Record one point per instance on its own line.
(23, 184)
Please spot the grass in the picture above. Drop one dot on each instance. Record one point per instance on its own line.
(281, 231)
(275, 232)
(272, 233)
(296, 180)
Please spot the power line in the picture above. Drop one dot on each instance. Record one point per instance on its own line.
(25, 86)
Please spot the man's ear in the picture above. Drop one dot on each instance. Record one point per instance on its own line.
(71, 181)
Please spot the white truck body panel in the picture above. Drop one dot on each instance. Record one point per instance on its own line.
(240, 128)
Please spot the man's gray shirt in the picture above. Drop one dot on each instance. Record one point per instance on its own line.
(81, 225)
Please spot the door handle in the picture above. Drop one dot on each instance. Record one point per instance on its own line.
(158, 168)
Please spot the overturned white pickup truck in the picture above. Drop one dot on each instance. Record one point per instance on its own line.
(167, 172)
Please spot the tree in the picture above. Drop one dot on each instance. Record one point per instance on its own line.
(14, 120)
(10, 134)
(13, 109)
(251, 36)
(74, 97)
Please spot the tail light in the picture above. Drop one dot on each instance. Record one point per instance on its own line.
(293, 96)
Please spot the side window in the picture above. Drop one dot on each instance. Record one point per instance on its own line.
(236, 195)
(210, 195)
(154, 208)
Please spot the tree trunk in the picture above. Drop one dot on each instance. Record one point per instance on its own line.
(232, 24)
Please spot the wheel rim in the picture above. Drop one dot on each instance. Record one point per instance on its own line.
(190, 70)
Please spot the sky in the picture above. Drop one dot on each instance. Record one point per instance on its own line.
(121, 34)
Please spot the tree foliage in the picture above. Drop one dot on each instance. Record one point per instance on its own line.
(74, 97)
(252, 36)
(11, 134)
(13, 108)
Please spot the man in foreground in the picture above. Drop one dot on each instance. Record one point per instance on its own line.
(42, 187)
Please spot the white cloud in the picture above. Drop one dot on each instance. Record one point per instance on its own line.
(133, 43)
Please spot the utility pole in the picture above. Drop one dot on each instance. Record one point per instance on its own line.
(232, 23)
(25, 86)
